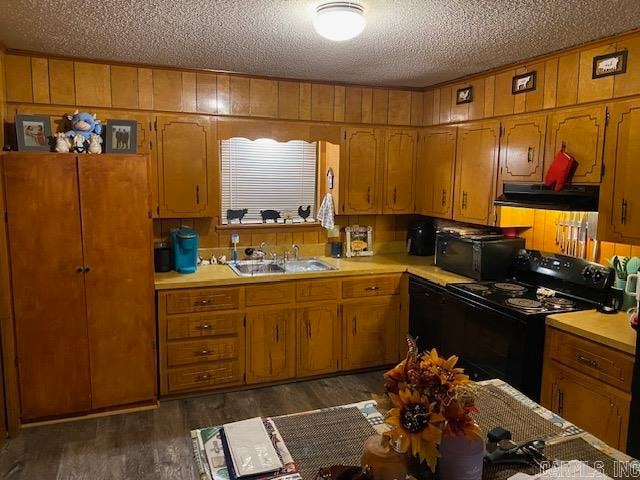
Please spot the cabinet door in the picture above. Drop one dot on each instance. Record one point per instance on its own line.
(399, 168)
(620, 196)
(118, 239)
(370, 332)
(577, 398)
(363, 149)
(476, 164)
(48, 284)
(186, 151)
(435, 172)
(318, 340)
(270, 345)
(581, 132)
(522, 149)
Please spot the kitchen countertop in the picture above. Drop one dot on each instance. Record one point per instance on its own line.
(221, 275)
(611, 330)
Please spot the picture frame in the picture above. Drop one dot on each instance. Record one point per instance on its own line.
(33, 133)
(525, 82)
(121, 136)
(609, 64)
(464, 95)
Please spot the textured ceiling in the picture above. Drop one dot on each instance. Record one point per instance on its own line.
(406, 42)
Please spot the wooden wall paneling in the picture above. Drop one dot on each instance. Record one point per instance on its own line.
(427, 108)
(489, 95)
(189, 99)
(353, 105)
(628, 83)
(145, 88)
(520, 100)
(3, 113)
(93, 84)
(40, 79)
(589, 89)
(288, 100)
(124, 87)
(417, 108)
(263, 98)
(18, 78)
(322, 102)
(167, 91)
(550, 83)
(568, 67)
(367, 105)
(534, 101)
(445, 104)
(399, 107)
(503, 102)
(380, 106)
(223, 96)
(476, 107)
(206, 92)
(304, 110)
(240, 95)
(459, 112)
(436, 107)
(338, 103)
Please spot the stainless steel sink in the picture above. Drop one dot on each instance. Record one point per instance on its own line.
(250, 268)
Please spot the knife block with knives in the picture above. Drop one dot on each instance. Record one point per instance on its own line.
(576, 232)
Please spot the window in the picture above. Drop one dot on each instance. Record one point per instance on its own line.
(267, 175)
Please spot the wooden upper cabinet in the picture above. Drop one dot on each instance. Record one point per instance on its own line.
(476, 164)
(399, 169)
(435, 172)
(620, 197)
(522, 148)
(370, 330)
(580, 131)
(114, 198)
(48, 301)
(363, 149)
(270, 345)
(186, 155)
(318, 342)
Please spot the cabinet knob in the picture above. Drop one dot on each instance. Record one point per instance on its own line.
(204, 326)
(372, 288)
(203, 377)
(87, 269)
(79, 269)
(203, 352)
(202, 302)
(369, 195)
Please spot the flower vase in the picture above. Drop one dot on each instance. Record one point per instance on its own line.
(461, 458)
(382, 462)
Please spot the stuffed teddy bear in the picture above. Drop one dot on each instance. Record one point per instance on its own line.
(83, 124)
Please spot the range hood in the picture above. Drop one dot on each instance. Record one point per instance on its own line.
(582, 198)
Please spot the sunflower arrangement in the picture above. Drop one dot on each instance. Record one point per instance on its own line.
(429, 397)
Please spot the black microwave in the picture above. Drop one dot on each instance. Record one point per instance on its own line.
(478, 257)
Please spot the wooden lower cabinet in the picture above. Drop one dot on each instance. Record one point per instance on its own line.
(588, 384)
(270, 345)
(318, 345)
(370, 332)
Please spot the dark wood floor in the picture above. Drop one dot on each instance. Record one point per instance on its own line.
(155, 444)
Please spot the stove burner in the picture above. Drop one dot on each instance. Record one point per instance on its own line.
(510, 287)
(556, 302)
(474, 287)
(523, 303)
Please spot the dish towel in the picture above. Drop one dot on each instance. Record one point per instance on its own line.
(326, 212)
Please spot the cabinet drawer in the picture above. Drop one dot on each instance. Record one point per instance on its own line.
(203, 300)
(315, 290)
(205, 350)
(593, 359)
(269, 294)
(201, 376)
(371, 286)
(203, 325)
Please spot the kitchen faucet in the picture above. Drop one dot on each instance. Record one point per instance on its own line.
(296, 251)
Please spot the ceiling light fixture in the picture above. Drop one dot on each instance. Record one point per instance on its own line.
(339, 21)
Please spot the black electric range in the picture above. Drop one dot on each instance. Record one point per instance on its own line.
(497, 328)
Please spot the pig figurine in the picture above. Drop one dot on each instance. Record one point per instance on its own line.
(95, 142)
(270, 215)
(63, 144)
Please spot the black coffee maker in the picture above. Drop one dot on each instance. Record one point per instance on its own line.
(421, 237)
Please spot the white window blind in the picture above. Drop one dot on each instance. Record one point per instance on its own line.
(265, 174)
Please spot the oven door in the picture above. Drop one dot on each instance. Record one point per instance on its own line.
(494, 344)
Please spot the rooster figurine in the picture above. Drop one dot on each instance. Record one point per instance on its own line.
(304, 213)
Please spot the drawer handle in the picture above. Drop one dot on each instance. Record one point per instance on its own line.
(202, 302)
(202, 353)
(202, 378)
(372, 289)
(588, 361)
(204, 326)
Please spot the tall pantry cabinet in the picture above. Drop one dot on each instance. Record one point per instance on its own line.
(80, 242)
